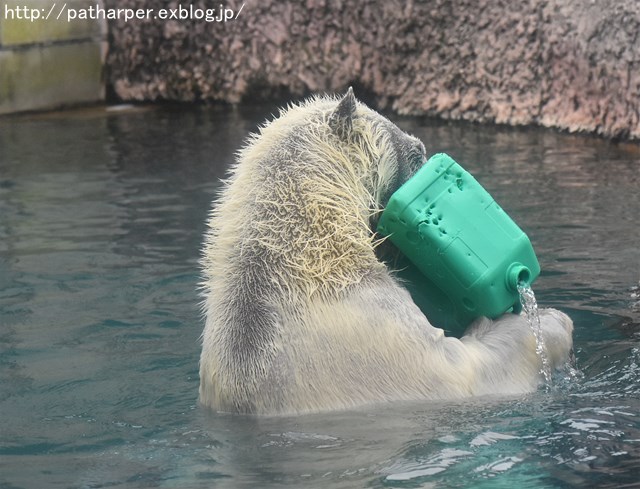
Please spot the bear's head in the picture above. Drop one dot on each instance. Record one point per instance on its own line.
(306, 194)
(388, 155)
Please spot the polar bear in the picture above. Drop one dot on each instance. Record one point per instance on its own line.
(301, 314)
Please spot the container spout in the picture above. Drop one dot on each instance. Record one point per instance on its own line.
(517, 274)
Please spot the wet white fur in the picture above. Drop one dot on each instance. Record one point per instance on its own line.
(344, 333)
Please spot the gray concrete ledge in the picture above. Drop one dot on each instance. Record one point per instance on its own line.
(49, 63)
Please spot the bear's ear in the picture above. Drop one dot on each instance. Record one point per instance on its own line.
(341, 120)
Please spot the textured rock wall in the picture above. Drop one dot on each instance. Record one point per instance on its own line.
(570, 64)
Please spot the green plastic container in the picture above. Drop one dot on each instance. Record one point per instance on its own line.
(469, 252)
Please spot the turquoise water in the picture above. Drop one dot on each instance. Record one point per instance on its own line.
(101, 218)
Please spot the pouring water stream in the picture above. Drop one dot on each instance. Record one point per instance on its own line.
(530, 308)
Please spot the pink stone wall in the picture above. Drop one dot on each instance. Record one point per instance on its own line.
(568, 64)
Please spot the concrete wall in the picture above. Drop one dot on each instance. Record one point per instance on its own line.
(569, 64)
(49, 62)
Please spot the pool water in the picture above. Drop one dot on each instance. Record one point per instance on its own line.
(101, 220)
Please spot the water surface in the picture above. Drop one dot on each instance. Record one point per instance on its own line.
(101, 219)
